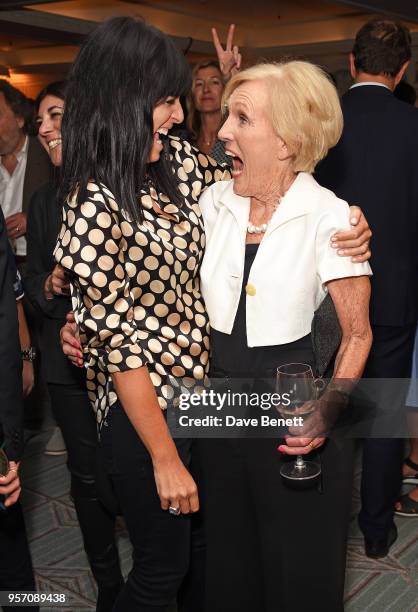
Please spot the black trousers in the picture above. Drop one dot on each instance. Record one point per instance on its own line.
(16, 573)
(271, 548)
(161, 542)
(74, 415)
(390, 357)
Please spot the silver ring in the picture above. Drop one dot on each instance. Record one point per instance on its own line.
(174, 511)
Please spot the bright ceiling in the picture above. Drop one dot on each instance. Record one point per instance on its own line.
(42, 37)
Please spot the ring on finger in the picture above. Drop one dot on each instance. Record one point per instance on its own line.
(175, 511)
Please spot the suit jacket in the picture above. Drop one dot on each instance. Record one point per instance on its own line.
(375, 165)
(11, 394)
(44, 222)
(38, 171)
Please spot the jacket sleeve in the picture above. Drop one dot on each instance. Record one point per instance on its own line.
(11, 394)
(36, 270)
(330, 266)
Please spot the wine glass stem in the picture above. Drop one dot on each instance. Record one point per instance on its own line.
(300, 463)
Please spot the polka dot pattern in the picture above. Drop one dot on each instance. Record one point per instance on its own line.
(135, 286)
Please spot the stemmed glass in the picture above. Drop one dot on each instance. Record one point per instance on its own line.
(297, 380)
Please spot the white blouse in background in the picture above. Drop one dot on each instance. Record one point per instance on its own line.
(294, 260)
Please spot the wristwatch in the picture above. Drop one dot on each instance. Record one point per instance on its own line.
(29, 354)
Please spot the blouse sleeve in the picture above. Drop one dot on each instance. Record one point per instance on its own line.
(197, 168)
(330, 265)
(92, 248)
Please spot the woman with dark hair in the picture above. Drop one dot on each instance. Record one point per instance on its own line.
(48, 289)
(132, 241)
(133, 256)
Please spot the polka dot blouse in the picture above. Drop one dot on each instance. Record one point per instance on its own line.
(135, 286)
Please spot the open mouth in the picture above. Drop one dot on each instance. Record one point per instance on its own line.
(54, 143)
(160, 135)
(237, 164)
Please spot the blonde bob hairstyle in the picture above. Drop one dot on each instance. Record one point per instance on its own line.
(304, 108)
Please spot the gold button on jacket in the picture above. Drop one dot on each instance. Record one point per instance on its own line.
(250, 289)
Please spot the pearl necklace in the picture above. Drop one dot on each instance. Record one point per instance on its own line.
(256, 229)
(261, 229)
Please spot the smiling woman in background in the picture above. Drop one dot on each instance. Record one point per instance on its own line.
(204, 100)
(204, 105)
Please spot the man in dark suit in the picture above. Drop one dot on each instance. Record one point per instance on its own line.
(24, 164)
(24, 167)
(15, 563)
(376, 165)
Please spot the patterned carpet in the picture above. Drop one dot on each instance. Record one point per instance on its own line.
(390, 584)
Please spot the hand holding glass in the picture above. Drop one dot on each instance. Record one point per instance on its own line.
(297, 381)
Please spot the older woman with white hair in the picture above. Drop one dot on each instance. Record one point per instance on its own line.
(268, 265)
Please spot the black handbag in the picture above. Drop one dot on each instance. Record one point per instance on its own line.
(326, 336)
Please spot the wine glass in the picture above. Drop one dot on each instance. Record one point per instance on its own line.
(297, 381)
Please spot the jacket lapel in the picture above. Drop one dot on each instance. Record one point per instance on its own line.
(297, 202)
(38, 171)
(237, 205)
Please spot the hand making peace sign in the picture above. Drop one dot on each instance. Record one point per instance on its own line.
(230, 57)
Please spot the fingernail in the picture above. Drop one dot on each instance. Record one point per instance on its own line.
(341, 252)
(334, 245)
(281, 449)
(353, 221)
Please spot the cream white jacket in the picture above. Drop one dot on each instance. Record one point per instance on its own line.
(287, 280)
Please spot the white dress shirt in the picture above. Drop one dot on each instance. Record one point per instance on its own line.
(295, 259)
(369, 83)
(11, 193)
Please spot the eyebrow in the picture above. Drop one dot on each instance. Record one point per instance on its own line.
(240, 106)
(48, 110)
(54, 106)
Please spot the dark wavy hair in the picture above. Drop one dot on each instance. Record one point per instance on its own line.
(57, 89)
(124, 68)
(382, 47)
(19, 104)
